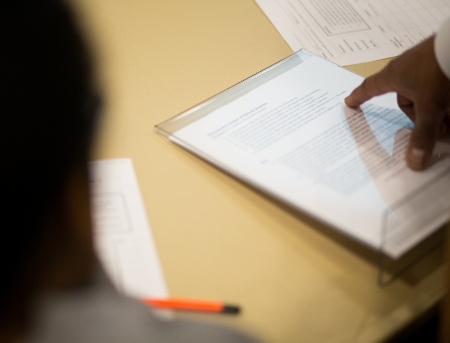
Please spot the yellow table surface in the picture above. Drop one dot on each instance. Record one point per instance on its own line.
(295, 279)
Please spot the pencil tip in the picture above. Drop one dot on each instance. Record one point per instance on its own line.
(231, 309)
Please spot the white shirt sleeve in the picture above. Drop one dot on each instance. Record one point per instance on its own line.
(442, 47)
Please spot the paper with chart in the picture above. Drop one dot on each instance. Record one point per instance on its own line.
(122, 234)
(355, 31)
(292, 137)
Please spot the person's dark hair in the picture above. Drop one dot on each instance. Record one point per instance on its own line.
(46, 120)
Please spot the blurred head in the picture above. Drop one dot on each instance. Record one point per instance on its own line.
(47, 116)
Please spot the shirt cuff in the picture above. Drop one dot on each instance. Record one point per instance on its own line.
(442, 48)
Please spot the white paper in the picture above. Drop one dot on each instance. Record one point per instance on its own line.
(294, 138)
(122, 234)
(355, 31)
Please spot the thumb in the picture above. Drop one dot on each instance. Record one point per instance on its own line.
(422, 141)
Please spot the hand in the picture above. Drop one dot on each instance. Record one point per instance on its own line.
(423, 93)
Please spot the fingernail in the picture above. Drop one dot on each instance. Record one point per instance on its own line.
(417, 156)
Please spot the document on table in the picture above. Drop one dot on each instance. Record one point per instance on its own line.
(122, 234)
(355, 31)
(287, 132)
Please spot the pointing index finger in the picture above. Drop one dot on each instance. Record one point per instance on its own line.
(374, 85)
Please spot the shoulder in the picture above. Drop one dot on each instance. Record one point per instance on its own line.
(98, 314)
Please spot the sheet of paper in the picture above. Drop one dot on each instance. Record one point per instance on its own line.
(294, 138)
(355, 31)
(122, 233)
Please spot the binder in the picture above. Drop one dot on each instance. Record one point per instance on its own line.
(287, 132)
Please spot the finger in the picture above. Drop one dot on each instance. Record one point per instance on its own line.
(443, 129)
(406, 105)
(423, 138)
(372, 86)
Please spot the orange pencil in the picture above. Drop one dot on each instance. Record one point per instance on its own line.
(192, 305)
